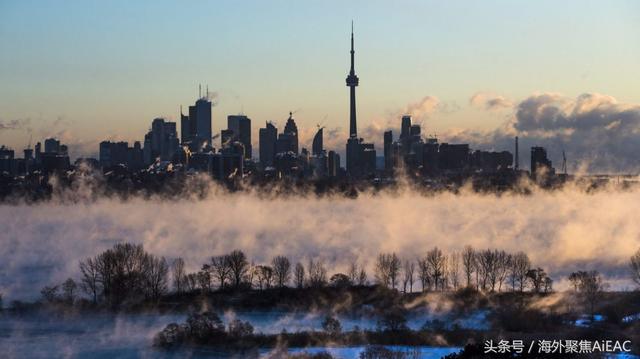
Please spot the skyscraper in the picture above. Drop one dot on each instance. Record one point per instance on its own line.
(161, 142)
(227, 138)
(405, 130)
(388, 143)
(51, 145)
(186, 132)
(333, 164)
(291, 134)
(241, 127)
(317, 146)
(267, 142)
(196, 127)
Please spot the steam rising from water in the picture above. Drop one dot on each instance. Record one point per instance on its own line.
(561, 231)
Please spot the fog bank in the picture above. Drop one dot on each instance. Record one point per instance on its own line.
(561, 231)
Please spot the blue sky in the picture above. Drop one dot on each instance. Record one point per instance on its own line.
(105, 69)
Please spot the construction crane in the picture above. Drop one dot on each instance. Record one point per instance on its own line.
(321, 124)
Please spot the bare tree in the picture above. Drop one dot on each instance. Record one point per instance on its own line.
(436, 261)
(575, 278)
(357, 274)
(537, 277)
(354, 272)
(156, 282)
(520, 266)
(90, 282)
(191, 282)
(299, 275)
(383, 269)
(265, 276)
(468, 263)
(122, 272)
(238, 266)
(178, 274)
(408, 271)
(454, 269)
(591, 287)
(489, 267)
(281, 270)
(221, 269)
(362, 277)
(50, 293)
(635, 266)
(317, 273)
(424, 274)
(394, 270)
(388, 269)
(203, 278)
(502, 268)
(69, 290)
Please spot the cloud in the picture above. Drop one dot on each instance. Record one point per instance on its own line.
(16, 124)
(420, 111)
(423, 108)
(597, 133)
(489, 101)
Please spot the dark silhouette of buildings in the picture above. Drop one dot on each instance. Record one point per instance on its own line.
(7, 160)
(119, 153)
(517, 164)
(489, 161)
(55, 157)
(195, 128)
(540, 163)
(453, 156)
(52, 145)
(240, 127)
(319, 158)
(430, 158)
(286, 160)
(388, 144)
(317, 146)
(333, 164)
(280, 154)
(407, 152)
(289, 136)
(161, 142)
(267, 144)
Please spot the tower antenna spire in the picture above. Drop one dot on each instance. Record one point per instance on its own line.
(352, 82)
(352, 51)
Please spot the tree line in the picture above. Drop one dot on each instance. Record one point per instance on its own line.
(127, 272)
(484, 270)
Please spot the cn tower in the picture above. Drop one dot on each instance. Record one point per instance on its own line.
(352, 82)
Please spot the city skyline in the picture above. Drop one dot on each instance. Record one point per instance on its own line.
(461, 107)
